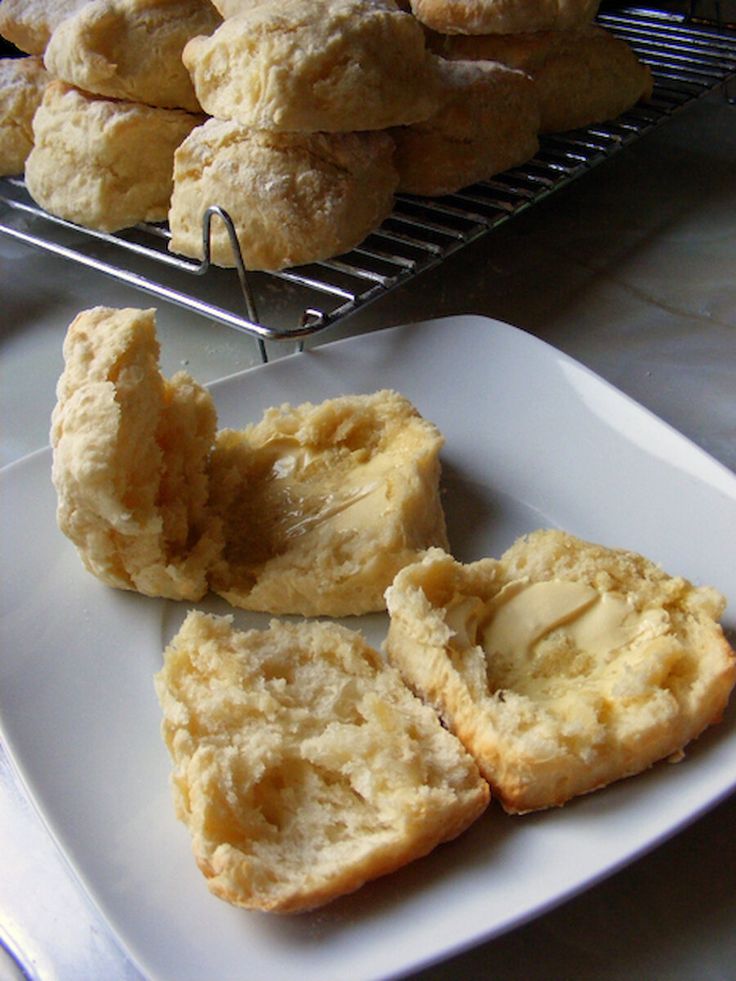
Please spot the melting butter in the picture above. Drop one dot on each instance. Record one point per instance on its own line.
(599, 623)
(348, 497)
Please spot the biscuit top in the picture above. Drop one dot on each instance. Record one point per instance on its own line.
(131, 49)
(503, 16)
(359, 65)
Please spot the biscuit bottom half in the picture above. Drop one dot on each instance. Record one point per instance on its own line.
(303, 766)
(564, 665)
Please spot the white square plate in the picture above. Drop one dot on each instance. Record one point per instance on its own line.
(533, 439)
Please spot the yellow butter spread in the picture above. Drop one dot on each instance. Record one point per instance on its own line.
(524, 613)
(351, 494)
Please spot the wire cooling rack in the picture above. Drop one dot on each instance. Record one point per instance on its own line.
(689, 58)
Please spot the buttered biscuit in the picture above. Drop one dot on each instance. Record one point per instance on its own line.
(22, 84)
(581, 77)
(28, 24)
(101, 163)
(564, 665)
(487, 123)
(293, 198)
(503, 16)
(302, 766)
(322, 504)
(131, 49)
(338, 65)
(130, 457)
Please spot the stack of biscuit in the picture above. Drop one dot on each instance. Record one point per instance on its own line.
(117, 104)
(296, 152)
(582, 74)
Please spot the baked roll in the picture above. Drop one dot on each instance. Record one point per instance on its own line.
(22, 84)
(564, 665)
(103, 163)
(28, 24)
(503, 16)
(131, 49)
(487, 123)
(334, 66)
(293, 197)
(581, 77)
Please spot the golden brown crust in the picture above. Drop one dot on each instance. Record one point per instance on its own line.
(22, 84)
(85, 164)
(503, 16)
(488, 122)
(131, 49)
(561, 720)
(303, 767)
(581, 77)
(293, 197)
(358, 65)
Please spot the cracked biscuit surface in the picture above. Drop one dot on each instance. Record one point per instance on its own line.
(131, 49)
(562, 666)
(335, 66)
(293, 197)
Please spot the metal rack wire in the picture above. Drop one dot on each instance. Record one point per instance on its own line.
(688, 59)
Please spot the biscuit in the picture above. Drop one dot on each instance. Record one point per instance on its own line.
(130, 458)
(293, 65)
(131, 49)
(293, 198)
(101, 163)
(302, 766)
(503, 16)
(582, 77)
(323, 504)
(488, 122)
(28, 24)
(564, 665)
(22, 84)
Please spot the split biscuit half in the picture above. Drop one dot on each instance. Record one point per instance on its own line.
(302, 765)
(130, 457)
(322, 504)
(564, 665)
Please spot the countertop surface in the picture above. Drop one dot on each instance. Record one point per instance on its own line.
(630, 270)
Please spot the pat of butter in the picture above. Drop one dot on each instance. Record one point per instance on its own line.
(524, 613)
(348, 494)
